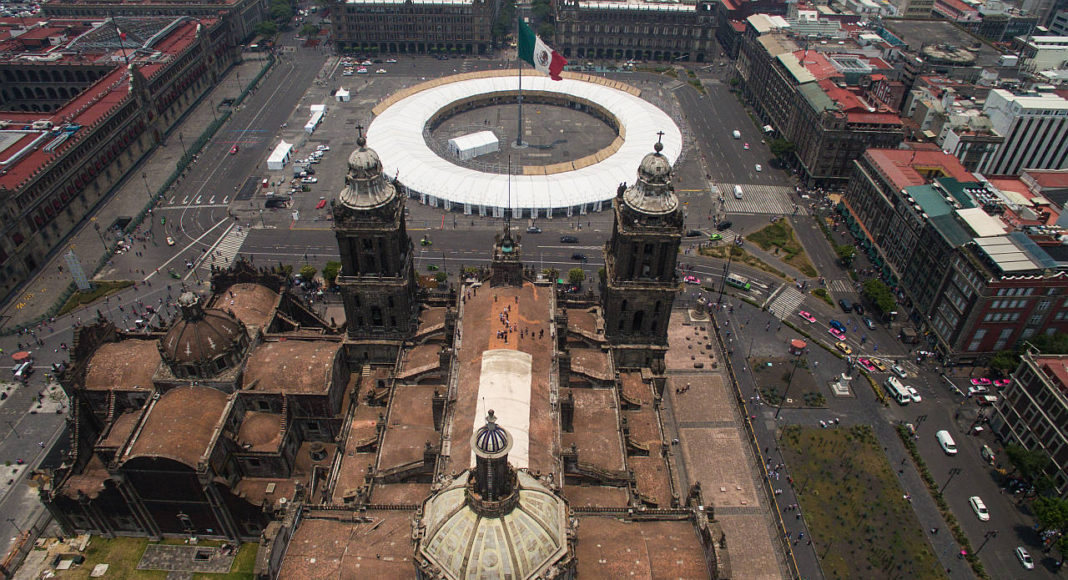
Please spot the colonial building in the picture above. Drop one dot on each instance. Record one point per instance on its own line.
(239, 17)
(640, 280)
(1033, 412)
(968, 258)
(420, 26)
(639, 30)
(75, 119)
(831, 103)
(493, 432)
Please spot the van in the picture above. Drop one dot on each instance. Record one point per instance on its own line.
(23, 371)
(737, 134)
(945, 441)
(738, 192)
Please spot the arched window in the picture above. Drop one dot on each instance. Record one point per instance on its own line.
(639, 317)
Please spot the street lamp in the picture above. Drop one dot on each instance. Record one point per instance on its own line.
(726, 270)
(182, 141)
(212, 101)
(96, 227)
(986, 538)
(789, 383)
(953, 472)
(919, 421)
(148, 190)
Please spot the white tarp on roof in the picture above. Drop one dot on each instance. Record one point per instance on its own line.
(312, 123)
(504, 386)
(474, 144)
(279, 157)
(397, 136)
(342, 95)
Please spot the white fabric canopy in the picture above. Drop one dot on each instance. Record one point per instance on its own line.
(397, 136)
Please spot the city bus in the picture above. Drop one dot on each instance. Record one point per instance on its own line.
(738, 281)
(897, 391)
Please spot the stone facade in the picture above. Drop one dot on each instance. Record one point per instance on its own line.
(638, 30)
(425, 26)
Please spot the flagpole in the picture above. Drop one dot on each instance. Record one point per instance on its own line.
(519, 63)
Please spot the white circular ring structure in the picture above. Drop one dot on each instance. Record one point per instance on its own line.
(396, 134)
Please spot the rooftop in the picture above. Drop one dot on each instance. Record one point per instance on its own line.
(379, 545)
(1056, 367)
(295, 367)
(124, 365)
(250, 303)
(613, 548)
(903, 168)
(180, 425)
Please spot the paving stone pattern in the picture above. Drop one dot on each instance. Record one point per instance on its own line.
(183, 559)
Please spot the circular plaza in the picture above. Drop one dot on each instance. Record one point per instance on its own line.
(404, 124)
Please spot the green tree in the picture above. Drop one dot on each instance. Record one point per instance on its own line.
(1050, 343)
(281, 11)
(1062, 546)
(307, 272)
(330, 271)
(880, 295)
(576, 276)
(1051, 512)
(267, 28)
(441, 278)
(781, 148)
(1004, 361)
(309, 30)
(1029, 463)
(505, 24)
(547, 31)
(551, 273)
(846, 253)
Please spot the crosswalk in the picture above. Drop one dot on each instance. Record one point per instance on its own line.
(769, 199)
(226, 250)
(840, 286)
(786, 302)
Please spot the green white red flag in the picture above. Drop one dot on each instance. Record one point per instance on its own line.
(543, 58)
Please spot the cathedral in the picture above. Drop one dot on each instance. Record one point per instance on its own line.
(494, 428)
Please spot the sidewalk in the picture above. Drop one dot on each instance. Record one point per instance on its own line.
(130, 197)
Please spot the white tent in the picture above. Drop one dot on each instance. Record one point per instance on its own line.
(474, 144)
(342, 95)
(279, 157)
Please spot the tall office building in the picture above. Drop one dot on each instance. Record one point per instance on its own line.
(1035, 127)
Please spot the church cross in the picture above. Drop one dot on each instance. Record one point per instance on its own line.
(659, 136)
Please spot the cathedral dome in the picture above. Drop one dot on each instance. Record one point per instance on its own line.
(365, 186)
(653, 193)
(493, 521)
(204, 341)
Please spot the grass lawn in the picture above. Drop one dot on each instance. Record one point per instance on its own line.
(822, 294)
(859, 521)
(781, 237)
(100, 289)
(123, 554)
(742, 256)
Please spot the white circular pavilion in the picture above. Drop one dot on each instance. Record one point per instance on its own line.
(577, 186)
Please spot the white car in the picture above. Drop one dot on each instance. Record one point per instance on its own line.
(914, 394)
(322, 148)
(391, 60)
(1024, 557)
(979, 508)
(380, 71)
(759, 168)
(170, 241)
(897, 370)
(310, 180)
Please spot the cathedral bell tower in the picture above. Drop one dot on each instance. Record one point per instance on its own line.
(377, 279)
(640, 282)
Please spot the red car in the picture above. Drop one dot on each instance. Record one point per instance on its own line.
(321, 204)
(234, 150)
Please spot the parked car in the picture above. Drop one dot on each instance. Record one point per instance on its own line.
(310, 180)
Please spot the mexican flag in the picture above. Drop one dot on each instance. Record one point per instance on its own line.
(538, 54)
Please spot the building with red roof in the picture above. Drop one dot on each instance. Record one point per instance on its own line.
(832, 103)
(76, 119)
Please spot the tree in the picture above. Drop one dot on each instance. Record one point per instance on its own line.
(267, 28)
(330, 271)
(505, 23)
(281, 11)
(1062, 546)
(441, 278)
(547, 31)
(1029, 463)
(880, 295)
(309, 30)
(576, 276)
(781, 147)
(1050, 343)
(307, 272)
(1004, 361)
(1051, 512)
(846, 253)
